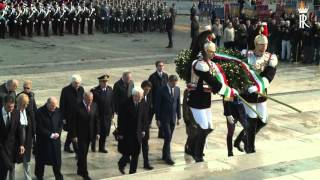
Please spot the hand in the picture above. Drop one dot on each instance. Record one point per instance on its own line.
(21, 150)
(56, 135)
(252, 89)
(75, 140)
(143, 133)
(64, 121)
(158, 123)
(98, 136)
(230, 119)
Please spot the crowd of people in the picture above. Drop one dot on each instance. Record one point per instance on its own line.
(286, 39)
(49, 17)
(87, 117)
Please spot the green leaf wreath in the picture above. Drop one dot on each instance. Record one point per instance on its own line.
(235, 74)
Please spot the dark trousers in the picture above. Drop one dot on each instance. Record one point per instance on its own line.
(46, 28)
(2, 29)
(82, 23)
(90, 26)
(254, 126)
(11, 28)
(218, 38)
(61, 27)
(83, 147)
(69, 141)
(76, 27)
(133, 163)
(30, 28)
(200, 143)
(231, 128)
(190, 144)
(39, 171)
(38, 27)
(102, 139)
(55, 26)
(170, 38)
(69, 26)
(3, 171)
(145, 148)
(167, 129)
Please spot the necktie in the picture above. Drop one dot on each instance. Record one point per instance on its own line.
(7, 120)
(171, 92)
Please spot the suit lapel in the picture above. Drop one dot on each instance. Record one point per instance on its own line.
(2, 125)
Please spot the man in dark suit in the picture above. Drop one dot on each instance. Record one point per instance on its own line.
(83, 132)
(169, 28)
(167, 112)
(157, 79)
(48, 146)
(8, 88)
(194, 30)
(103, 97)
(147, 101)
(9, 132)
(71, 95)
(122, 89)
(131, 126)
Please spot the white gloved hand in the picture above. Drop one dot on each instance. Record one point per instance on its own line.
(230, 119)
(252, 89)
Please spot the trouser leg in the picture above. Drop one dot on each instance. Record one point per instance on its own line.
(134, 164)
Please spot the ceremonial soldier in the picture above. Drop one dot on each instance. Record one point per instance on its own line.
(11, 18)
(17, 21)
(30, 19)
(38, 19)
(69, 15)
(91, 17)
(46, 19)
(117, 19)
(2, 23)
(129, 20)
(104, 15)
(264, 63)
(145, 18)
(139, 19)
(62, 18)
(24, 18)
(55, 14)
(151, 18)
(161, 18)
(202, 84)
(97, 8)
(83, 16)
(76, 19)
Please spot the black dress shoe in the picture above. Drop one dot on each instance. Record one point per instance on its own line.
(68, 150)
(230, 154)
(147, 167)
(103, 151)
(169, 162)
(238, 147)
(169, 47)
(121, 169)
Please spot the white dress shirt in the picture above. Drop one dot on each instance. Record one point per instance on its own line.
(170, 89)
(23, 118)
(5, 115)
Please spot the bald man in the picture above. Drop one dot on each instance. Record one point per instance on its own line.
(49, 127)
(8, 88)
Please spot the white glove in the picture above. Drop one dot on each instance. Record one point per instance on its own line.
(253, 89)
(230, 119)
(53, 135)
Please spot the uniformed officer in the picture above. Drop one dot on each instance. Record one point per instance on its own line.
(91, 17)
(83, 16)
(46, 19)
(76, 18)
(103, 97)
(30, 19)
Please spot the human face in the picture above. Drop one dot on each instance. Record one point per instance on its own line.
(210, 54)
(9, 107)
(103, 83)
(128, 78)
(173, 84)
(137, 97)
(76, 84)
(52, 105)
(160, 67)
(261, 48)
(27, 88)
(88, 99)
(146, 90)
